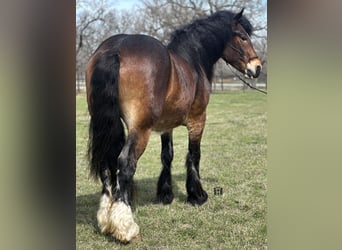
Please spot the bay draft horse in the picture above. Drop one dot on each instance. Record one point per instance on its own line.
(136, 80)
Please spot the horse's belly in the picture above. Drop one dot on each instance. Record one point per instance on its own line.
(169, 121)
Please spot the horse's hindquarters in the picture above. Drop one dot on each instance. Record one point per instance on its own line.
(144, 76)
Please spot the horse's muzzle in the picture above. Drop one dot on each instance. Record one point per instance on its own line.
(253, 69)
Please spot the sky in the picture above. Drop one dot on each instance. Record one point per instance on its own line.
(127, 4)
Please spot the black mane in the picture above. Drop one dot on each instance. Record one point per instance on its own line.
(202, 42)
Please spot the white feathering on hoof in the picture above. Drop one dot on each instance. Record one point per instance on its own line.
(123, 227)
(116, 218)
(103, 213)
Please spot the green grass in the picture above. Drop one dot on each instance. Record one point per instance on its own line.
(233, 157)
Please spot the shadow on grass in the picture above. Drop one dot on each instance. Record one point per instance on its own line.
(145, 194)
(145, 190)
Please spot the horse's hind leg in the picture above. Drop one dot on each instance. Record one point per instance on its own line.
(196, 194)
(123, 226)
(164, 188)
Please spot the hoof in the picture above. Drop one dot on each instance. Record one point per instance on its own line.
(165, 196)
(123, 227)
(166, 199)
(116, 218)
(198, 199)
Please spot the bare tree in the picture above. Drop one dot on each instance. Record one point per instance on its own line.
(89, 16)
(97, 19)
(159, 18)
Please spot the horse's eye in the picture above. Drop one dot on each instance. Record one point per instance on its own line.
(243, 38)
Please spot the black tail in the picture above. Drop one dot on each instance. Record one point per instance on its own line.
(106, 131)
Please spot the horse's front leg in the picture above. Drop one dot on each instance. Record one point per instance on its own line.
(196, 194)
(164, 188)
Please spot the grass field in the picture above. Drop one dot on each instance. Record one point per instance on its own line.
(234, 149)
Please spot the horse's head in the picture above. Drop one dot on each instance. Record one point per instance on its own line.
(239, 52)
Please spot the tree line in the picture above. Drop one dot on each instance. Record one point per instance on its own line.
(97, 20)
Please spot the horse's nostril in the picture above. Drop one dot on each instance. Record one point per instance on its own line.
(258, 69)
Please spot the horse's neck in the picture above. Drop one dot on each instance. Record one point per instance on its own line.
(184, 75)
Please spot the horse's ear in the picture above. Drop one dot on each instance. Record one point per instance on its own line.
(238, 15)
